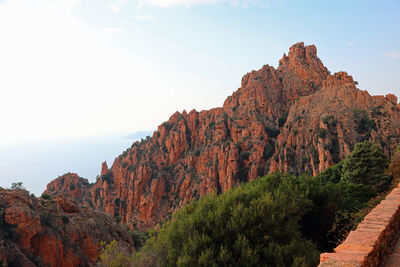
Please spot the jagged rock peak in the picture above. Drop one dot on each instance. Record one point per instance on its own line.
(104, 168)
(299, 52)
(303, 56)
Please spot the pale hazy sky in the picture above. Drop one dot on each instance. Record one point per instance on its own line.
(78, 68)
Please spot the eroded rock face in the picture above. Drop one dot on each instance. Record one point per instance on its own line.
(104, 168)
(53, 232)
(69, 183)
(327, 125)
(296, 118)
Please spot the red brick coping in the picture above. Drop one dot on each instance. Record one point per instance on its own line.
(365, 245)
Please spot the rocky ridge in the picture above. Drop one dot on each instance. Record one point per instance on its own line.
(295, 118)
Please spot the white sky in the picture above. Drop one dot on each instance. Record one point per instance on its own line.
(63, 78)
(80, 68)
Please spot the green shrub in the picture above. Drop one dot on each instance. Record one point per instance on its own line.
(231, 229)
(329, 120)
(252, 224)
(366, 165)
(244, 155)
(364, 125)
(139, 238)
(315, 156)
(376, 111)
(321, 132)
(298, 118)
(167, 125)
(344, 194)
(117, 201)
(332, 174)
(272, 132)
(111, 255)
(334, 149)
(45, 196)
(108, 177)
(269, 149)
(18, 185)
(196, 152)
(326, 119)
(72, 187)
(330, 200)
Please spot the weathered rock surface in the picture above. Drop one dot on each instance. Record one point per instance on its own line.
(69, 183)
(53, 232)
(296, 118)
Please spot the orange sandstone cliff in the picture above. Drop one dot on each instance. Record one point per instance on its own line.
(295, 118)
(53, 232)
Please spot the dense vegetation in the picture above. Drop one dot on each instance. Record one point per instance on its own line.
(364, 124)
(277, 220)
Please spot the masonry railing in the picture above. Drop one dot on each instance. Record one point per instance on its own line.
(366, 245)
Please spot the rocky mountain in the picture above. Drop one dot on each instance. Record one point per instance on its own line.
(295, 118)
(53, 231)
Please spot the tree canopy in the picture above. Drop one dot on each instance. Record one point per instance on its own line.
(366, 165)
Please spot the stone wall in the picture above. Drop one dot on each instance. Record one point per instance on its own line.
(365, 245)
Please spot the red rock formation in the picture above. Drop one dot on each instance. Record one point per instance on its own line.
(104, 168)
(53, 232)
(295, 118)
(392, 98)
(69, 183)
(324, 125)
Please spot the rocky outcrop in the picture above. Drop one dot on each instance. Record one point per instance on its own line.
(69, 183)
(296, 118)
(53, 232)
(104, 168)
(322, 128)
